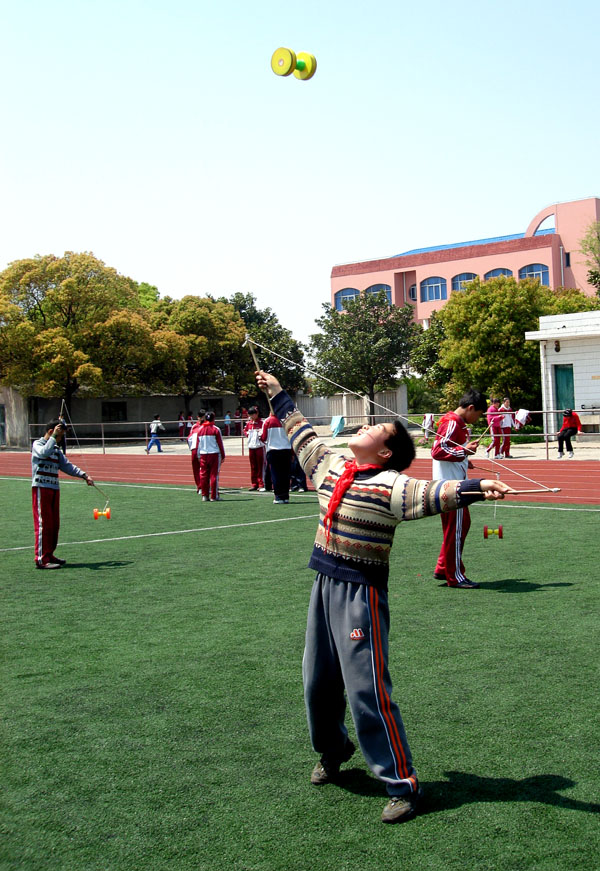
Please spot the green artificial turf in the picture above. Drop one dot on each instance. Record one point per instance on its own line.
(152, 701)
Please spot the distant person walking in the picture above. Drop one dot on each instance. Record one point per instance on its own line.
(155, 427)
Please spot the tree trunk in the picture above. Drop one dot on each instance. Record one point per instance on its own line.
(372, 404)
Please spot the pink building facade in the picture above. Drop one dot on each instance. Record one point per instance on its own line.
(425, 277)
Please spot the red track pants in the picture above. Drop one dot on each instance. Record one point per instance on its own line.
(455, 526)
(46, 522)
(257, 462)
(209, 474)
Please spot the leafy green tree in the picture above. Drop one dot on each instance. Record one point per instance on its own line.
(485, 342)
(425, 356)
(148, 294)
(366, 348)
(262, 325)
(213, 331)
(590, 247)
(594, 279)
(55, 314)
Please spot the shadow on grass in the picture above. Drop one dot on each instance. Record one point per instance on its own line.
(513, 585)
(461, 789)
(99, 566)
(518, 585)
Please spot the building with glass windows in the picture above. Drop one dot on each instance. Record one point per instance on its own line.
(425, 277)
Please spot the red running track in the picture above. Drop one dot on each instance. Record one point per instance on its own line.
(579, 480)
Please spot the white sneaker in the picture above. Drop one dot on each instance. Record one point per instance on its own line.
(560, 456)
(262, 489)
(571, 455)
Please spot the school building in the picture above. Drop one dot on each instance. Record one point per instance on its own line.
(425, 277)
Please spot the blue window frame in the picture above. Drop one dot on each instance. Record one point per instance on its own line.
(536, 270)
(494, 273)
(344, 296)
(459, 281)
(412, 292)
(377, 288)
(433, 288)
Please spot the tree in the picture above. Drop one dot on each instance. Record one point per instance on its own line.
(590, 247)
(68, 322)
(485, 343)
(365, 348)
(262, 325)
(425, 356)
(213, 331)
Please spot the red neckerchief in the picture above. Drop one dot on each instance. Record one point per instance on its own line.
(343, 483)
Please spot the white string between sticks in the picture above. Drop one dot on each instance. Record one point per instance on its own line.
(385, 408)
(64, 414)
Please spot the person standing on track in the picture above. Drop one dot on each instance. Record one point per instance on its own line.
(507, 421)
(363, 497)
(494, 420)
(256, 451)
(192, 441)
(450, 452)
(279, 458)
(47, 459)
(211, 453)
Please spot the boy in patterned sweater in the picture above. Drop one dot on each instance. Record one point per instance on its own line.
(47, 458)
(362, 500)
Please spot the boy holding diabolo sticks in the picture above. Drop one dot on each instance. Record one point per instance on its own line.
(362, 499)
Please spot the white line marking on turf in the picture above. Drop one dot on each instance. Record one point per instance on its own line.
(189, 489)
(173, 532)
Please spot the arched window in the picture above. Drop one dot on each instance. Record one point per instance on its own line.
(344, 296)
(377, 288)
(494, 273)
(433, 288)
(412, 292)
(535, 270)
(459, 281)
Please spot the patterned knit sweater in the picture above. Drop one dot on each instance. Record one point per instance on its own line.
(46, 459)
(365, 521)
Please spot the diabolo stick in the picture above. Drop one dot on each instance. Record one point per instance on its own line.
(545, 490)
(250, 344)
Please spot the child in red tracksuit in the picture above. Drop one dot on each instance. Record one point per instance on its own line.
(211, 454)
(256, 451)
(507, 422)
(450, 452)
(494, 419)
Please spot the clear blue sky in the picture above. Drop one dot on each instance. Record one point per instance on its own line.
(153, 133)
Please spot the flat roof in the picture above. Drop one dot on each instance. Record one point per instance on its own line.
(550, 231)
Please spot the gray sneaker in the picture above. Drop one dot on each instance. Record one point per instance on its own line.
(400, 809)
(328, 768)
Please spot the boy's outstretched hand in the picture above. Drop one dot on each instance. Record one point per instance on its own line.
(268, 383)
(494, 489)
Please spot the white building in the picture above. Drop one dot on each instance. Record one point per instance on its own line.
(570, 364)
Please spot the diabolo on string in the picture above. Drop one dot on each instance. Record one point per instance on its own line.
(106, 510)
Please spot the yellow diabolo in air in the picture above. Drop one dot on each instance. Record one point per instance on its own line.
(284, 62)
